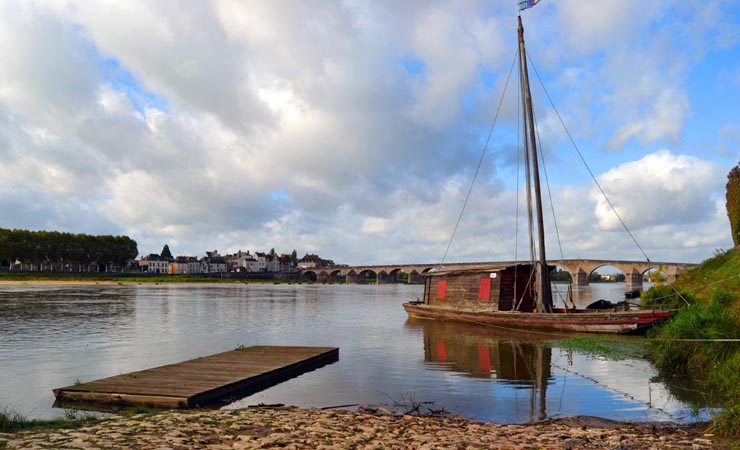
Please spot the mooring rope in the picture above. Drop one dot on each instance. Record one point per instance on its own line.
(560, 335)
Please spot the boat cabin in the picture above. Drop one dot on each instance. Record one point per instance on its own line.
(491, 288)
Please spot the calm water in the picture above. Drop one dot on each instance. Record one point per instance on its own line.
(51, 336)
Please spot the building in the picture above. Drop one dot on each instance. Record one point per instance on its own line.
(311, 261)
(212, 263)
(153, 263)
(184, 265)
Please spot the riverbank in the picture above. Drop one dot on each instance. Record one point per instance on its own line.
(702, 343)
(128, 278)
(290, 427)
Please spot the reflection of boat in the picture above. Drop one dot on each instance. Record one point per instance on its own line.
(483, 352)
(519, 295)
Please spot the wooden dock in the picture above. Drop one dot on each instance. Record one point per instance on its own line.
(201, 381)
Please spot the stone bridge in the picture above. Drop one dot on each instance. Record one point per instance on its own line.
(579, 270)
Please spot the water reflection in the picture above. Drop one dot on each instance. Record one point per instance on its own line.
(552, 381)
(484, 352)
(51, 336)
(585, 295)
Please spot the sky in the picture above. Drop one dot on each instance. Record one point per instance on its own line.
(352, 129)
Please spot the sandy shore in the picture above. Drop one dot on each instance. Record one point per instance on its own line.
(294, 428)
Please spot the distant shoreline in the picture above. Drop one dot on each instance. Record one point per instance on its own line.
(112, 279)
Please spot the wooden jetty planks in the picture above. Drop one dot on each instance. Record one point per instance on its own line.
(202, 380)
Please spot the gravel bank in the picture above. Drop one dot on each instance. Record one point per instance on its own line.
(294, 428)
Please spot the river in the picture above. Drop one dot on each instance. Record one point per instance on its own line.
(55, 335)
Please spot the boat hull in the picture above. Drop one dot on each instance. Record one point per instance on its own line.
(613, 322)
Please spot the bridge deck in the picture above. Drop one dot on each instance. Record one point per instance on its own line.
(202, 380)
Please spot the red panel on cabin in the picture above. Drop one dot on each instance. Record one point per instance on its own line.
(441, 351)
(484, 293)
(484, 360)
(441, 288)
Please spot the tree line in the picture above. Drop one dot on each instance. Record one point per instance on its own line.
(53, 247)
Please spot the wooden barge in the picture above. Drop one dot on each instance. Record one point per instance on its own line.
(504, 296)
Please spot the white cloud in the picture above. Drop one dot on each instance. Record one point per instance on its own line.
(296, 125)
(661, 188)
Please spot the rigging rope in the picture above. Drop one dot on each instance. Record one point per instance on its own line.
(593, 177)
(480, 163)
(583, 160)
(516, 214)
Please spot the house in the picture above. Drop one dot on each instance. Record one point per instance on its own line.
(311, 261)
(245, 260)
(286, 263)
(153, 263)
(184, 265)
(273, 263)
(213, 264)
(261, 261)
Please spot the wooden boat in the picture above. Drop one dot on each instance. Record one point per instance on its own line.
(519, 295)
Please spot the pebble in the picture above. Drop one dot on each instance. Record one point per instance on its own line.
(295, 428)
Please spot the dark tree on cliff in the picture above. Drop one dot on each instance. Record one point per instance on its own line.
(166, 253)
(733, 202)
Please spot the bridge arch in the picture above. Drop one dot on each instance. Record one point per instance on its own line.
(329, 276)
(388, 275)
(415, 277)
(309, 275)
(366, 275)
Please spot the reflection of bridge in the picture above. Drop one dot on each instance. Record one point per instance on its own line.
(579, 270)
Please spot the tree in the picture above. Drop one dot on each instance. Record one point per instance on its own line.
(733, 202)
(272, 251)
(294, 257)
(166, 253)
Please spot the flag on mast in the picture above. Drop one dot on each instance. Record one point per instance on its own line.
(524, 4)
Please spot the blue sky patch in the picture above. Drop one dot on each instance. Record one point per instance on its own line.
(414, 66)
(123, 81)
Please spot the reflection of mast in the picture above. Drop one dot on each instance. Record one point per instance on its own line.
(544, 355)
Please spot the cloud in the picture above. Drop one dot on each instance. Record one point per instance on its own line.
(234, 126)
(661, 188)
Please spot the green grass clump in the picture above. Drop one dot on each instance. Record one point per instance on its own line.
(138, 409)
(665, 297)
(719, 272)
(611, 349)
(715, 365)
(11, 421)
(715, 320)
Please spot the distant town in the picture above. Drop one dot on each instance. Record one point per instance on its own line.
(239, 262)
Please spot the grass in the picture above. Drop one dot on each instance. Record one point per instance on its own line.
(138, 410)
(611, 349)
(720, 272)
(11, 421)
(713, 289)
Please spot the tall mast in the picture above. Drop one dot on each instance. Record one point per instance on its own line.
(544, 294)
